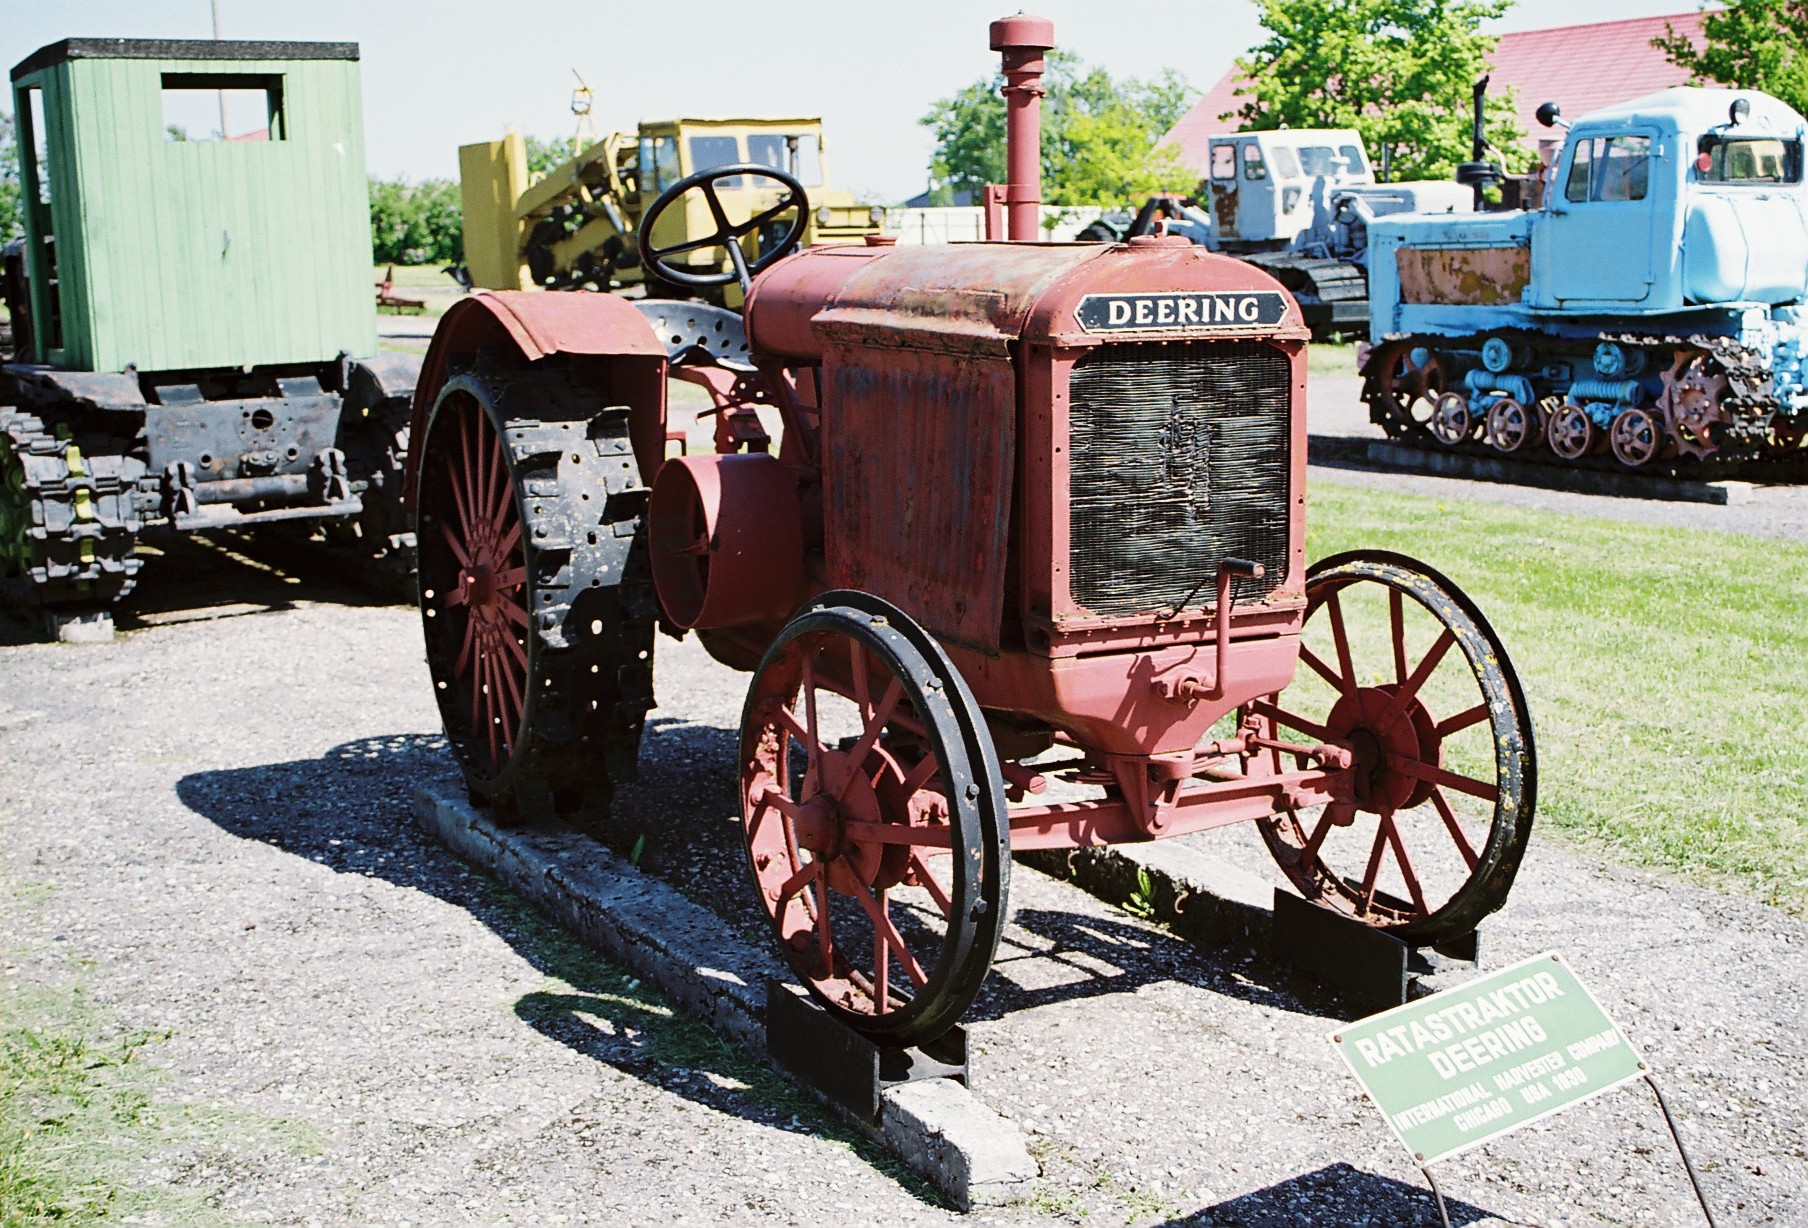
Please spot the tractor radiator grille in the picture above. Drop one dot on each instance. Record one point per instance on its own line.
(1179, 459)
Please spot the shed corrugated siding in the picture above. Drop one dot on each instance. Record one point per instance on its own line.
(214, 254)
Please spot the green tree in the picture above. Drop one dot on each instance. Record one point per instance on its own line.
(1099, 136)
(544, 155)
(12, 207)
(415, 223)
(1400, 72)
(1749, 44)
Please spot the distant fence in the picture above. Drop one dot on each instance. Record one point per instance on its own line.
(967, 223)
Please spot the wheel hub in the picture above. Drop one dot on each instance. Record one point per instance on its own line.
(839, 793)
(1362, 721)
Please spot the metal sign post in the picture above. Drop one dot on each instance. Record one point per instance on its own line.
(1454, 1070)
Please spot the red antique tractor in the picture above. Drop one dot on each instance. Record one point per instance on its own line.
(1010, 536)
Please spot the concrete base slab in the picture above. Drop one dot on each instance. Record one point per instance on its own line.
(971, 1154)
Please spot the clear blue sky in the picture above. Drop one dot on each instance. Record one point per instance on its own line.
(440, 73)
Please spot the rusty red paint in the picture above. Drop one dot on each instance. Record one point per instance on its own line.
(536, 325)
(1022, 41)
(726, 541)
(1476, 276)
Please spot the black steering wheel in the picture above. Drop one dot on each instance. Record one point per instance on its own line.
(726, 235)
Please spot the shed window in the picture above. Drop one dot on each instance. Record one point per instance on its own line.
(1253, 166)
(223, 106)
(1224, 161)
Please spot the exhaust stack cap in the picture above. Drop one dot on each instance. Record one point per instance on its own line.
(1022, 32)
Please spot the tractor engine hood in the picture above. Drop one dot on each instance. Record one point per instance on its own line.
(981, 298)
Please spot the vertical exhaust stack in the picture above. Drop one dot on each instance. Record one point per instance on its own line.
(1023, 39)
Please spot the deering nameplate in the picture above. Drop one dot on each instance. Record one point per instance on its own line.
(1202, 311)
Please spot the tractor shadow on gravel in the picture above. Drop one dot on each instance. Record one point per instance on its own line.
(351, 811)
(1336, 1194)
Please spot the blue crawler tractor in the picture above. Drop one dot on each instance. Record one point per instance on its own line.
(1651, 311)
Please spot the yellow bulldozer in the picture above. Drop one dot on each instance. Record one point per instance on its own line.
(575, 227)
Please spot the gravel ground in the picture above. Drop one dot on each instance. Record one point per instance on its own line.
(205, 824)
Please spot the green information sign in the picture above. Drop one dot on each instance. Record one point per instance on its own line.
(1469, 1064)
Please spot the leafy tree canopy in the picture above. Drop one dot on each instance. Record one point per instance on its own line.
(1400, 72)
(1749, 44)
(415, 223)
(1099, 136)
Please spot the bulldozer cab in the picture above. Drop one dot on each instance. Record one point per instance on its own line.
(1261, 184)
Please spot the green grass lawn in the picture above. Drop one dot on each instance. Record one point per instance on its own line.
(1667, 671)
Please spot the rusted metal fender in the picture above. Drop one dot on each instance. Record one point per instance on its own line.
(539, 324)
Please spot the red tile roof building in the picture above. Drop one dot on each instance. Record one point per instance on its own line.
(1581, 68)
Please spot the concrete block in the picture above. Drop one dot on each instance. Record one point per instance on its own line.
(970, 1152)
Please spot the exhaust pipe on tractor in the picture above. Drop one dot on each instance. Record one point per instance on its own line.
(1023, 40)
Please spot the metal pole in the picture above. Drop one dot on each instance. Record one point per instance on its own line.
(1436, 1193)
(1681, 1151)
(216, 35)
(1023, 40)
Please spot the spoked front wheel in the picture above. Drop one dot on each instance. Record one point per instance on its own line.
(1401, 667)
(874, 814)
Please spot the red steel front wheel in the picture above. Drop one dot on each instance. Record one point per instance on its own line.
(874, 814)
(1400, 666)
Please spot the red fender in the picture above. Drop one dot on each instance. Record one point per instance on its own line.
(539, 324)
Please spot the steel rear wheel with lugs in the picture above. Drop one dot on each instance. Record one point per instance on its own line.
(1401, 667)
(536, 600)
(874, 815)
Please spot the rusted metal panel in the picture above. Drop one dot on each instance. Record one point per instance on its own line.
(537, 325)
(1465, 276)
(956, 298)
(918, 450)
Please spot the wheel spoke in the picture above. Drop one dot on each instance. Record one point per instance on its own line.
(825, 946)
(1346, 669)
(1374, 867)
(882, 923)
(930, 884)
(1409, 689)
(475, 499)
(512, 578)
(881, 961)
(812, 747)
(1291, 721)
(516, 612)
(1406, 871)
(1396, 618)
(458, 547)
(499, 485)
(505, 546)
(1321, 669)
(920, 774)
(794, 727)
(874, 727)
(804, 876)
(515, 650)
(1336, 814)
(857, 671)
(1420, 770)
(465, 647)
(511, 702)
(1462, 720)
(1456, 831)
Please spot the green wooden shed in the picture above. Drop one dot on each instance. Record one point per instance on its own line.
(163, 244)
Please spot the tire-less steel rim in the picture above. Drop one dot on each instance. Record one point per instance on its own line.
(875, 835)
(474, 582)
(1401, 666)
